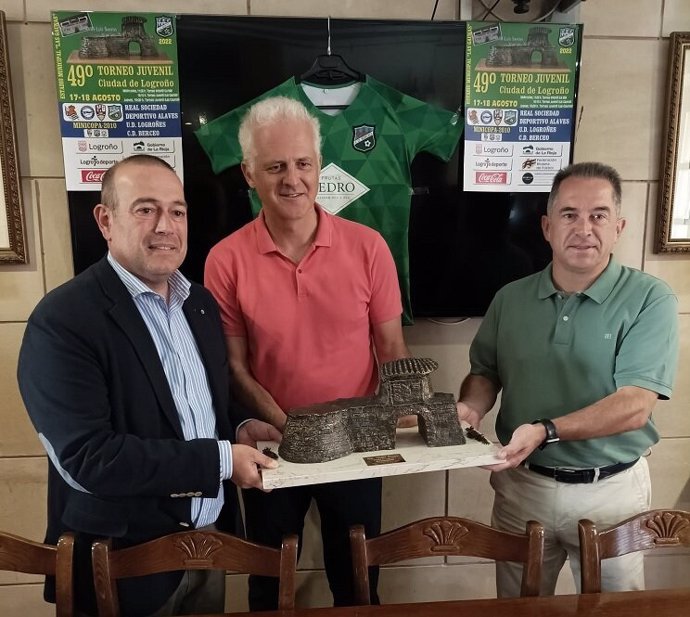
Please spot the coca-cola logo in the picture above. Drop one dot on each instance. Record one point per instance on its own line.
(92, 176)
(496, 177)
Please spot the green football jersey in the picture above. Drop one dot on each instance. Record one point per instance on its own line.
(367, 149)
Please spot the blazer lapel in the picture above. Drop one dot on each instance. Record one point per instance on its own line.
(125, 313)
(209, 339)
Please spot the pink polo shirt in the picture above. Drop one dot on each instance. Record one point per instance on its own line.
(308, 325)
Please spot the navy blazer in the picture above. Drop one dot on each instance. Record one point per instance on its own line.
(96, 392)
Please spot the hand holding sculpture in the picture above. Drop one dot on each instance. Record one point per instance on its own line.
(257, 430)
(247, 463)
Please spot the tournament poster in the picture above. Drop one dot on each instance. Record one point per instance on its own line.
(118, 91)
(520, 91)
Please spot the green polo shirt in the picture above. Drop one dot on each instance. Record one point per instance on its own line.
(553, 354)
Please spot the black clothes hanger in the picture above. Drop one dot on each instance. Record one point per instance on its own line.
(330, 69)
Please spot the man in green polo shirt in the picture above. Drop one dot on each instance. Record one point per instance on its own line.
(581, 352)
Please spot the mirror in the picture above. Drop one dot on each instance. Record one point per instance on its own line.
(12, 240)
(673, 214)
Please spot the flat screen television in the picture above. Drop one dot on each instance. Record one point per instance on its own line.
(463, 246)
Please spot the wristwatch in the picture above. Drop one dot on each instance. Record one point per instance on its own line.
(551, 432)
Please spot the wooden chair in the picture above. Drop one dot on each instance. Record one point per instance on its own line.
(22, 555)
(192, 550)
(433, 537)
(652, 529)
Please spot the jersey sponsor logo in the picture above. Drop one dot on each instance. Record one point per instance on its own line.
(363, 137)
(338, 189)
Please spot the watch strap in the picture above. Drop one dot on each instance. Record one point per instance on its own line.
(551, 432)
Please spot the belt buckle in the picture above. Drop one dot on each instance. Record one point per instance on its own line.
(576, 476)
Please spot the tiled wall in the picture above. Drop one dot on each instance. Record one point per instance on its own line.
(621, 107)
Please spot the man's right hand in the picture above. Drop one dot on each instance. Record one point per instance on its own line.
(247, 463)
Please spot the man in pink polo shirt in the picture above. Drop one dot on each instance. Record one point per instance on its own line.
(309, 303)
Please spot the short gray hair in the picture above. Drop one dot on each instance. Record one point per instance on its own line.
(588, 170)
(271, 111)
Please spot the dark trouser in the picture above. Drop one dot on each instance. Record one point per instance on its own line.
(270, 516)
(199, 591)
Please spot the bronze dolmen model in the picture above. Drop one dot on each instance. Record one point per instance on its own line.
(327, 431)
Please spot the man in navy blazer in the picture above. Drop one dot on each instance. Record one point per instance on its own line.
(124, 373)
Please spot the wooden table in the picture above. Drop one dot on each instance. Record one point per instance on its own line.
(663, 603)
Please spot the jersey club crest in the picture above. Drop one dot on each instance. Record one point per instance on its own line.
(363, 138)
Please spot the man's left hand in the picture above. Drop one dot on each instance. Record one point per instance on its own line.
(257, 430)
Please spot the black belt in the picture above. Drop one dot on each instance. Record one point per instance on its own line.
(579, 476)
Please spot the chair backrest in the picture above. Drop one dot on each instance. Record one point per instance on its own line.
(192, 550)
(22, 555)
(652, 529)
(440, 536)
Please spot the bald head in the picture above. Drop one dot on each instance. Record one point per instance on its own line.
(108, 191)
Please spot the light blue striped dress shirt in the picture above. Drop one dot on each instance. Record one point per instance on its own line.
(184, 370)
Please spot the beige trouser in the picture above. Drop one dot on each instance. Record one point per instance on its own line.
(521, 495)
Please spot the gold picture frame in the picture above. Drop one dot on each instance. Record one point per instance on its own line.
(12, 235)
(673, 211)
